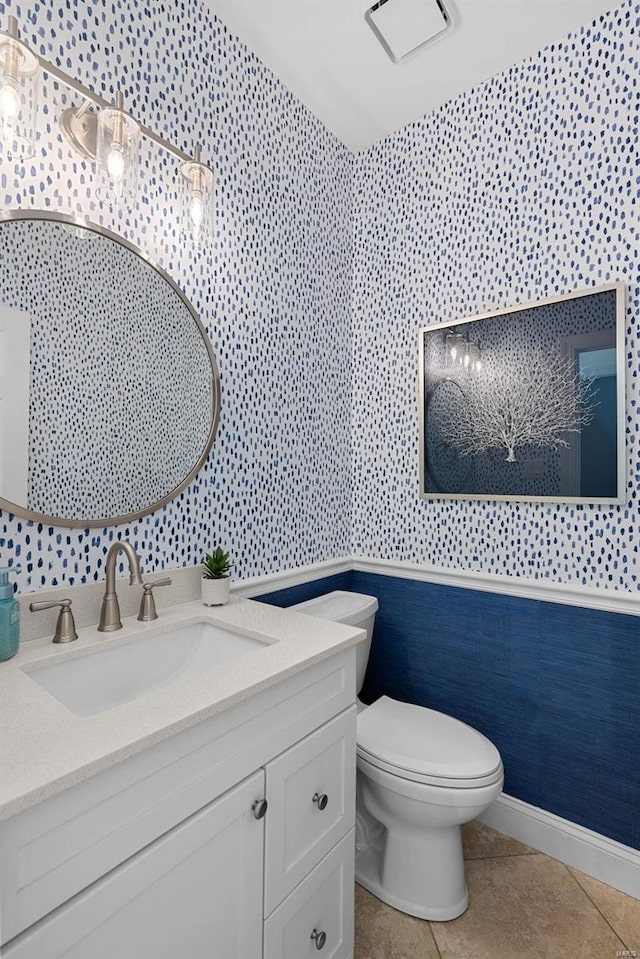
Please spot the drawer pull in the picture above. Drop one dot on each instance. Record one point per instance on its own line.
(319, 938)
(259, 808)
(321, 800)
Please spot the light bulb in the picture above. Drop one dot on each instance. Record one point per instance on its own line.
(196, 210)
(115, 163)
(9, 103)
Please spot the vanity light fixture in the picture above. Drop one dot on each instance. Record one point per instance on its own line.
(19, 85)
(198, 202)
(110, 138)
(117, 153)
(99, 131)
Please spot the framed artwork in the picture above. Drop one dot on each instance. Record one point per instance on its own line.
(526, 403)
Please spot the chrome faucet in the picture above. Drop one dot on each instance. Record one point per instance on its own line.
(110, 614)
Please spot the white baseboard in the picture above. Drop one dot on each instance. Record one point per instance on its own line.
(604, 859)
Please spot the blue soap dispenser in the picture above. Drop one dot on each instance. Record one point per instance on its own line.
(9, 615)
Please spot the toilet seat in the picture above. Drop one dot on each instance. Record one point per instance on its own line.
(425, 746)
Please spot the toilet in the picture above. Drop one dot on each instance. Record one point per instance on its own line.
(420, 775)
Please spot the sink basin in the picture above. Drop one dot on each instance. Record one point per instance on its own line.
(107, 677)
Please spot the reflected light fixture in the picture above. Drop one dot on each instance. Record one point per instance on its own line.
(197, 180)
(462, 351)
(454, 347)
(19, 84)
(475, 356)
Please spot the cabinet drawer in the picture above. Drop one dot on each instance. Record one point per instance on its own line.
(311, 796)
(322, 903)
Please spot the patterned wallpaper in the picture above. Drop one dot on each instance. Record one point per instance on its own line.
(523, 188)
(274, 291)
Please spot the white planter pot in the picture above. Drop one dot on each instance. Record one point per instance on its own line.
(215, 592)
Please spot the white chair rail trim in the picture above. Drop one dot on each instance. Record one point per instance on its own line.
(589, 597)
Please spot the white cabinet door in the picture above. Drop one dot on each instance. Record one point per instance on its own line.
(195, 893)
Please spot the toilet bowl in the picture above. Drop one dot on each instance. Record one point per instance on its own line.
(420, 775)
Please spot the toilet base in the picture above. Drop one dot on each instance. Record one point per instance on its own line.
(368, 869)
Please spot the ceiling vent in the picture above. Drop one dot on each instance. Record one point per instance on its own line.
(404, 27)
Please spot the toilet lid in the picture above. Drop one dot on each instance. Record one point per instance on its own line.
(424, 743)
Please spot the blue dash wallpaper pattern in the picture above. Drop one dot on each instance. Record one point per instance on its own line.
(554, 687)
(274, 291)
(523, 188)
(323, 269)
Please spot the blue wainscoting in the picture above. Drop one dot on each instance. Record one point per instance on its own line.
(556, 688)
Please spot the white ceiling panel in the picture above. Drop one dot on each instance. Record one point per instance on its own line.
(327, 55)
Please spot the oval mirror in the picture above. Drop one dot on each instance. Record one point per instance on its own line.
(109, 388)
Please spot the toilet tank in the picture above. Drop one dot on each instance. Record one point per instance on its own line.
(353, 609)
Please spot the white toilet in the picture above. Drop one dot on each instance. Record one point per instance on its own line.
(421, 774)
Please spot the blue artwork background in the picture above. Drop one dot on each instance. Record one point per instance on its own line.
(509, 343)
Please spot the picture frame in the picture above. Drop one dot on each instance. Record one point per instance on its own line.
(526, 403)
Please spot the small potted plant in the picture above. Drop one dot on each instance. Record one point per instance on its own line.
(215, 578)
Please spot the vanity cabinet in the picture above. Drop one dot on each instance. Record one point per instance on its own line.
(165, 854)
(195, 892)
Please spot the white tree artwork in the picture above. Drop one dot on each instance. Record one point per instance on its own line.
(534, 403)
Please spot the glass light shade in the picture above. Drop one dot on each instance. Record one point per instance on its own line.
(197, 201)
(455, 347)
(19, 87)
(475, 357)
(118, 155)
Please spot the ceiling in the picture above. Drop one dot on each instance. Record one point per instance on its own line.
(326, 54)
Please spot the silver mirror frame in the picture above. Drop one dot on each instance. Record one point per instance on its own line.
(102, 522)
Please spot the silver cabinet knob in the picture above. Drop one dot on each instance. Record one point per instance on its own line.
(259, 808)
(65, 627)
(319, 938)
(321, 800)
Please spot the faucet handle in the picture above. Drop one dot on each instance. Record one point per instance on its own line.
(148, 604)
(65, 626)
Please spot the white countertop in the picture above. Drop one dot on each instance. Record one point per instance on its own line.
(44, 747)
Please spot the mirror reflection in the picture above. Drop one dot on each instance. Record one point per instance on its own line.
(109, 393)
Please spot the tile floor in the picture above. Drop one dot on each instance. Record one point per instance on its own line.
(523, 905)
